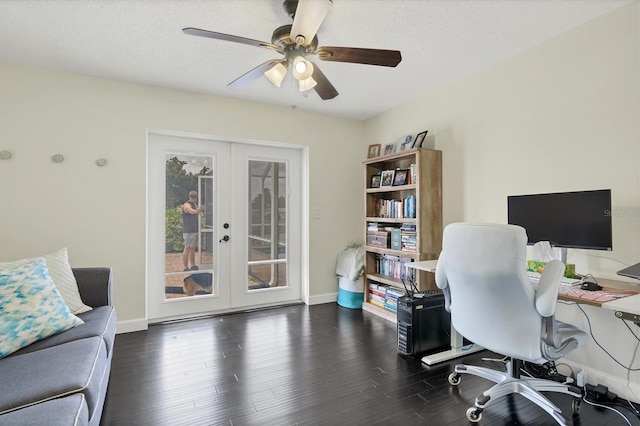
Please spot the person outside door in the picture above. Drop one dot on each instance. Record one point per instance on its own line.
(190, 215)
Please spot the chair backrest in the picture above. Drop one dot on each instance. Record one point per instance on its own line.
(492, 302)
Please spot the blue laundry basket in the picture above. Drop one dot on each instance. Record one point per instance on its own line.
(350, 294)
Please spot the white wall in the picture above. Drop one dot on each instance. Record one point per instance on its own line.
(99, 213)
(561, 116)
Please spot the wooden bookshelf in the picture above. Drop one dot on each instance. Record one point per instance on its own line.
(419, 205)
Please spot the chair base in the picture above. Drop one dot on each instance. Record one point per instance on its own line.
(507, 384)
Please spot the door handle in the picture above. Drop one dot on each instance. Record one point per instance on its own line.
(224, 239)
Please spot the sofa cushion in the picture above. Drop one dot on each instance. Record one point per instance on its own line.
(63, 278)
(100, 321)
(71, 411)
(31, 306)
(76, 367)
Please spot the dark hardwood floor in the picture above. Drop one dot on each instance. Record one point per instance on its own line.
(300, 365)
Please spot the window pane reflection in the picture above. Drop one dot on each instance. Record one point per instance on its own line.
(267, 240)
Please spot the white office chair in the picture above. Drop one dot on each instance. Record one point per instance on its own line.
(482, 272)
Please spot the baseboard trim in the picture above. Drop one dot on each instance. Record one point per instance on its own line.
(323, 298)
(131, 326)
(141, 324)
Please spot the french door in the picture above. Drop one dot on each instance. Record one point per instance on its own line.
(224, 226)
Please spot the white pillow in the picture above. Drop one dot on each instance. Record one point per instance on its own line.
(62, 276)
(31, 306)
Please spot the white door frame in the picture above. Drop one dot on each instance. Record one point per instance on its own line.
(304, 218)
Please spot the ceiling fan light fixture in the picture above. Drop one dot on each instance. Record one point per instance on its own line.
(277, 73)
(302, 69)
(307, 84)
(297, 41)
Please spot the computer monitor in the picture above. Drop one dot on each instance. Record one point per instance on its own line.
(580, 219)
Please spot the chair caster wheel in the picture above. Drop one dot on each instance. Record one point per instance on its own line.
(474, 414)
(454, 379)
(575, 406)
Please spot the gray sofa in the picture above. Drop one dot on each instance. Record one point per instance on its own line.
(63, 379)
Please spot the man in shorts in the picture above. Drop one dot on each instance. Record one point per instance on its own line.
(190, 214)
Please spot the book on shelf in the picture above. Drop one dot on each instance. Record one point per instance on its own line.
(377, 286)
(396, 241)
(380, 292)
(390, 306)
(394, 293)
(391, 299)
(408, 237)
(394, 266)
(412, 173)
(404, 208)
(376, 302)
(376, 297)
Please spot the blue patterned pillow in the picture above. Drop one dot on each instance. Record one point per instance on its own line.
(31, 307)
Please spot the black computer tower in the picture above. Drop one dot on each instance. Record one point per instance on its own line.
(424, 326)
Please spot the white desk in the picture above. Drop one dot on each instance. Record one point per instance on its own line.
(627, 308)
(457, 348)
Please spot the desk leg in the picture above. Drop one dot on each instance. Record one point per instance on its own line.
(457, 350)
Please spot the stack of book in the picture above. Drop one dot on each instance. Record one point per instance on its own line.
(408, 237)
(377, 294)
(391, 298)
(385, 296)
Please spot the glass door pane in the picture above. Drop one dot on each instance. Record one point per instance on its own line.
(267, 236)
(189, 236)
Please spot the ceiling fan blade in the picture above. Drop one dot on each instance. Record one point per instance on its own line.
(229, 37)
(308, 17)
(323, 88)
(356, 55)
(255, 73)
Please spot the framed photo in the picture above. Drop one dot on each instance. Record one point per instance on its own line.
(387, 178)
(375, 180)
(389, 148)
(404, 143)
(374, 151)
(400, 177)
(420, 139)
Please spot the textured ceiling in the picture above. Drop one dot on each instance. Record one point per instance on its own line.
(141, 41)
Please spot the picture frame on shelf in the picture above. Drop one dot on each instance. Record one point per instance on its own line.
(400, 177)
(374, 151)
(389, 148)
(420, 139)
(405, 143)
(386, 178)
(375, 181)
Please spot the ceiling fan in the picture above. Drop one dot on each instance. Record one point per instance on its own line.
(298, 41)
